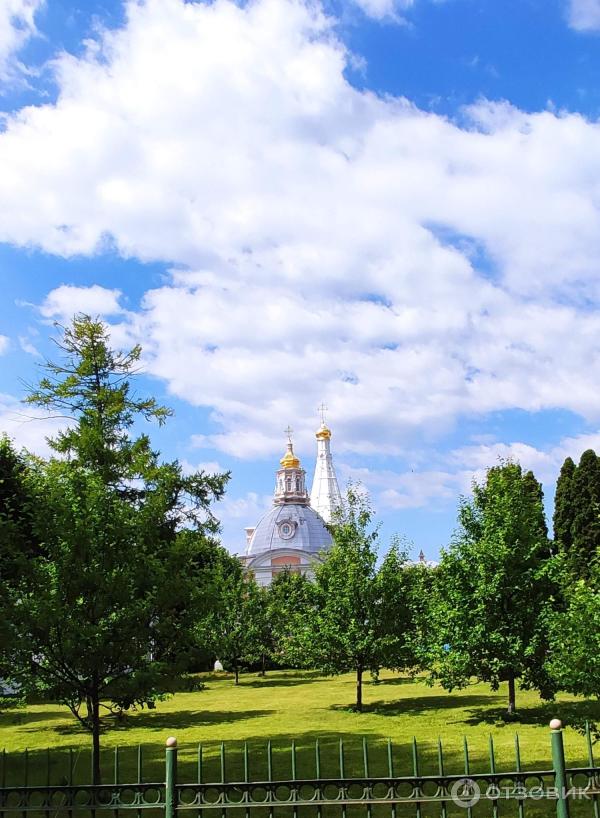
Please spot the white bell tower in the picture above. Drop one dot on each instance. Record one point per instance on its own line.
(325, 497)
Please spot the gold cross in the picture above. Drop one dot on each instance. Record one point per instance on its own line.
(288, 432)
(322, 410)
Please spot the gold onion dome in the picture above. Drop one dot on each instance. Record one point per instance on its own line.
(289, 459)
(324, 433)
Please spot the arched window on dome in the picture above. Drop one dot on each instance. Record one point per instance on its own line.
(289, 484)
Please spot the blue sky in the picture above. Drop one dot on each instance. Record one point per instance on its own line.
(386, 205)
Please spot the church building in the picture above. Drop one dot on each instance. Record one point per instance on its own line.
(293, 533)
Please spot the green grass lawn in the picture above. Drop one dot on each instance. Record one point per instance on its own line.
(300, 706)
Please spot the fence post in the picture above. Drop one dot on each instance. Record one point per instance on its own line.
(558, 763)
(171, 778)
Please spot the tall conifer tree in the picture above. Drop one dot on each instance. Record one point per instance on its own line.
(585, 510)
(563, 504)
(108, 613)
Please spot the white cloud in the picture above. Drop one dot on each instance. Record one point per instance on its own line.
(545, 463)
(4, 344)
(382, 9)
(17, 25)
(209, 467)
(66, 301)
(410, 489)
(451, 475)
(336, 246)
(584, 15)
(27, 426)
(28, 347)
(236, 513)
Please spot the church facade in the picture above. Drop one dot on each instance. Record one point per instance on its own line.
(293, 533)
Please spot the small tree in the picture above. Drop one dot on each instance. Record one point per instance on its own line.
(345, 632)
(17, 543)
(234, 630)
(291, 608)
(403, 590)
(491, 587)
(574, 656)
(574, 661)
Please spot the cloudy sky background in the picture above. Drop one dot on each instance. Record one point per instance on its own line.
(391, 206)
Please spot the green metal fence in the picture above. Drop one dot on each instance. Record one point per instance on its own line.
(567, 792)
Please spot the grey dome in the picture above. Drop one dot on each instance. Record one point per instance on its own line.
(290, 526)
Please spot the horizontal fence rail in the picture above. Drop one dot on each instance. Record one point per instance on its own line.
(565, 792)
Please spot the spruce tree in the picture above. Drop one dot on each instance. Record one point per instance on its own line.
(563, 505)
(108, 613)
(585, 511)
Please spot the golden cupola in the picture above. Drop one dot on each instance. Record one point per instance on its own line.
(289, 459)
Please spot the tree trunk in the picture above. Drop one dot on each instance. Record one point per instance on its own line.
(264, 661)
(236, 671)
(359, 674)
(512, 697)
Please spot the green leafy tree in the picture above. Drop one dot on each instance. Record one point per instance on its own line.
(263, 636)
(108, 612)
(291, 607)
(574, 659)
(17, 542)
(349, 631)
(234, 630)
(404, 590)
(491, 588)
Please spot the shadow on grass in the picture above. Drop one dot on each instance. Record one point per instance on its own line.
(417, 705)
(279, 682)
(23, 716)
(151, 720)
(397, 680)
(573, 714)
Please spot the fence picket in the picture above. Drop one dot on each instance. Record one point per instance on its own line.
(467, 769)
(223, 775)
(520, 782)
(116, 775)
(199, 777)
(318, 776)
(416, 773)
(493, 772)
(270, 776)
(368, 786)
(440, 755)
(343, 775)
(588, 738)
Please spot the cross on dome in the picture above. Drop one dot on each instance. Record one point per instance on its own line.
(289, 459)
